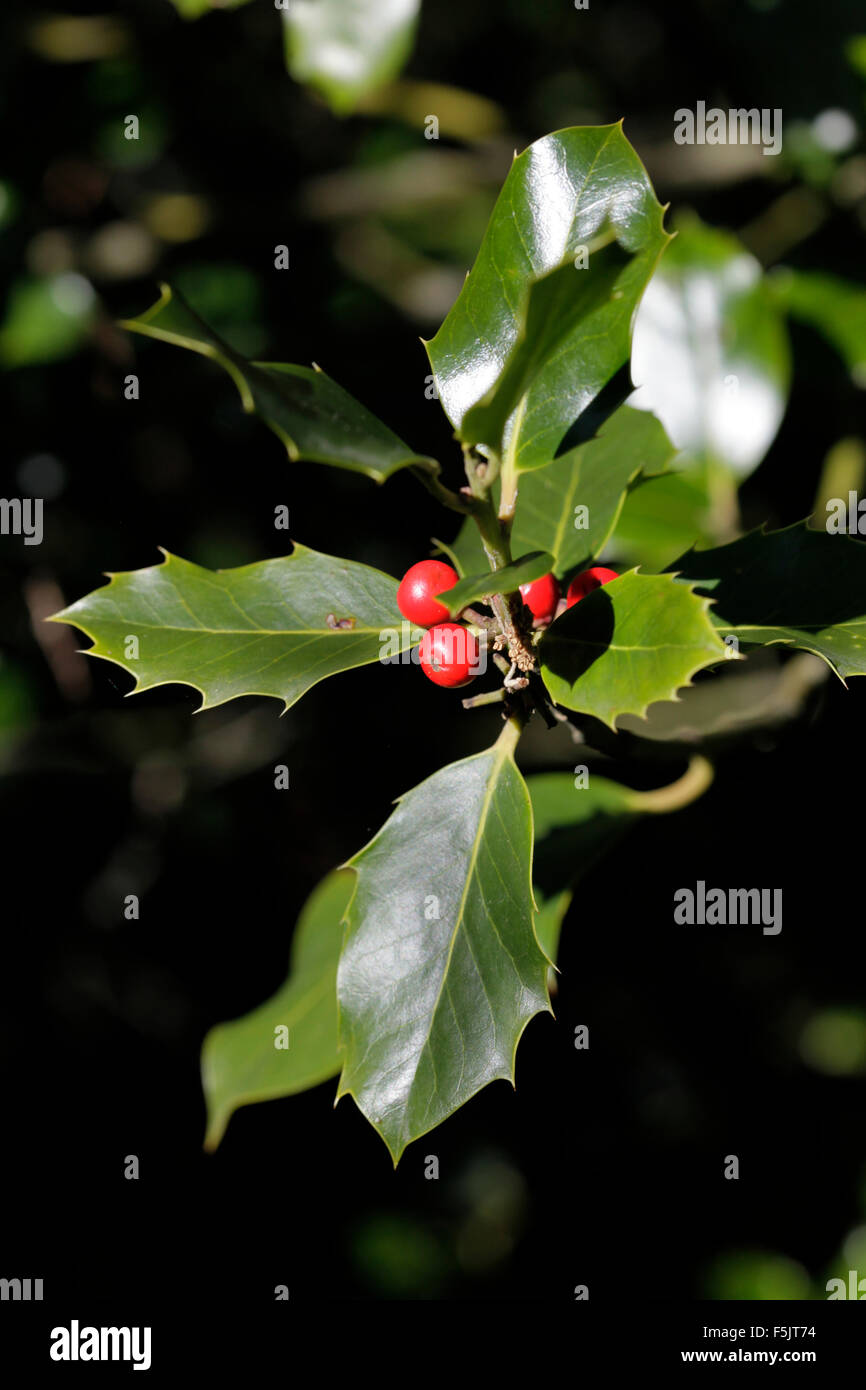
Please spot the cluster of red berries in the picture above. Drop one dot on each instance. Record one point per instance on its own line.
(448, 651)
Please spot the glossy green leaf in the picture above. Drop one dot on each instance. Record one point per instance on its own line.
(346, 48)
(636, 640)
(556, 307)
(796, 586)
(441, 969)
(570, 190)
(273, 628)
(835, 307)
(477, 587)
(711, 355)
(314, 417)
(241, 1062)
(571, 507)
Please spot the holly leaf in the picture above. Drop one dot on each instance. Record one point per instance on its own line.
(477, 587)
(710, 355)
(555, 307)
(796, 586)
(533, 339)
(314, 417)
(441, 969)
(572, 507)
(276, 628)
(624, 646)
(242, 1062)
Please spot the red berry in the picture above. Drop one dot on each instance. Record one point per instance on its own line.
(584, 583)
(416, 596)
(541, 597)
(449, 655)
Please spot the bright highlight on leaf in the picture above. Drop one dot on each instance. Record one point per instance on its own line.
(543, 322)
(273, 628)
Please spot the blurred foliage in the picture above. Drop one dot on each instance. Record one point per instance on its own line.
(756, 1275)
(834, 1041)
(347, 48)
(710, 354)
(835, 307)
(46, 319)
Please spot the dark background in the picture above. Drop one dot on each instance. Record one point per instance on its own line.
(604, 1168)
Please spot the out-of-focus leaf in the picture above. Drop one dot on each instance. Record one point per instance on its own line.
(46, 319)
(664, 516)
(229, 297)
(574, 826)
(277, 627)
(9, 203)
(836, 307)
(549, 918)
(631, 642)
(855, 52)
(503, 581)
(755, 1276)
(346, 48)
(796, 586)
(576, 189)
(711, 354)
(833, 1041)
(313, 416)
(441, 969)
(241, 1062)
(194, 9)
(578, 819)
